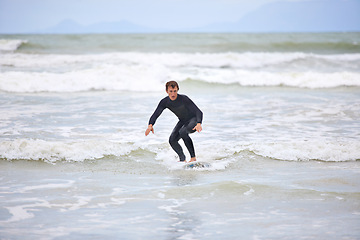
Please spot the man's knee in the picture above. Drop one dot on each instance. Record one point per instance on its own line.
(173, 139)
(183, 133)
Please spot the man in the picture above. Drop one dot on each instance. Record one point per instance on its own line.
(190, 119)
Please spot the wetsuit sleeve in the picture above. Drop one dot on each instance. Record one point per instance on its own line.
(160, 108)
(194, 109)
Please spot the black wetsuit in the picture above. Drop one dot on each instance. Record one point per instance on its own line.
(189, 115)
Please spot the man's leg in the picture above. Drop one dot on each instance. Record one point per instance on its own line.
(184, 134)
(174, 141)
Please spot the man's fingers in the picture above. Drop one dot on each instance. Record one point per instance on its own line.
(148, 131)
(198, 129)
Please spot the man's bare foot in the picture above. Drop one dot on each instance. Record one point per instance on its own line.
(193, 159)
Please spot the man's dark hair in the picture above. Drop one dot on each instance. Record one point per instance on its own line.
(173, 84)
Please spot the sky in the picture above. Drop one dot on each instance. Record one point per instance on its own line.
(21, 16)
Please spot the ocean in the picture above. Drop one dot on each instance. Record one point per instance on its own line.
(281, 131)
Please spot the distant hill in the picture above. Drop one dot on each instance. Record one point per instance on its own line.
(301, 16)
(284, 16)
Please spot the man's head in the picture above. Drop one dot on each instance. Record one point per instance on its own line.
(172, 88)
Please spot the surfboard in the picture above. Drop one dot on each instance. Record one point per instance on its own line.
(197, 165)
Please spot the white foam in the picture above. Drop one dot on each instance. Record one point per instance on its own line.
(105, 77)
(19, 213)
(152, 78)
(219, 159)
(249, 192)
(47, 186)
(212, 60)
(292, 79)
(308, 150)
(22, 212)
(149, 71)
(10, 45)
(222, 154)
(50, 151)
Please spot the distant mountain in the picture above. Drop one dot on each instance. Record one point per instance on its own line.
(283, 16)
(301, 16)
(70, 26)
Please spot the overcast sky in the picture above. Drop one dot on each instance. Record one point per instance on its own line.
(33, 15)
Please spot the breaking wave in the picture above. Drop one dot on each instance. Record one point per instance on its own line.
(11, 45)
(52, 151)
(148, 71)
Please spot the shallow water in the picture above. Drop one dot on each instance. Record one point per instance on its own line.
(281, 132)
(132, 198)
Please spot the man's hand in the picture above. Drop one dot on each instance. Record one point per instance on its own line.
(198, 127)
(149, 129)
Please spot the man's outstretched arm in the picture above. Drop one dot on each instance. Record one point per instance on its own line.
(160, 108)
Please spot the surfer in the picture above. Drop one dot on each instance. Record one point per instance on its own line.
(190, 119)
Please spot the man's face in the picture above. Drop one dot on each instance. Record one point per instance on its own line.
(172, 92)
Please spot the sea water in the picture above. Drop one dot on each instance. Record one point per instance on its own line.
(281, 131)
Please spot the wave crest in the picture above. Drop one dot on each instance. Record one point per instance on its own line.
(152, 78)
(308, 150)
(52, 151)
(11, 45)
(49, 151)
(149, 71)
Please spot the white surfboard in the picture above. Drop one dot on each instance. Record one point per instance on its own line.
(192, 165)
